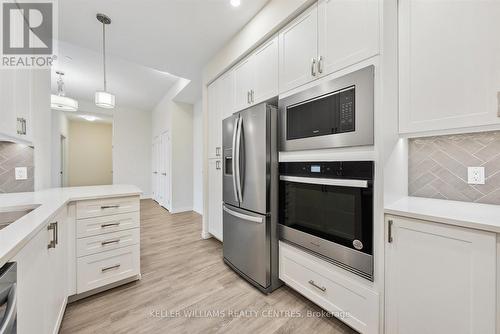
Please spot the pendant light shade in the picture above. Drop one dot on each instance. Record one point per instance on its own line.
(104, 99)
(60, 101)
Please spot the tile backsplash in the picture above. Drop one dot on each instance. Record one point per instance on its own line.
(438, 167)
(14, 155)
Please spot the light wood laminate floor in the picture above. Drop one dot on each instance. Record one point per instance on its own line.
(186, 288)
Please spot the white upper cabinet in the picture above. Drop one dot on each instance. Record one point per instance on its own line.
(329, 36)
(439, 278)
(266, 71)
(15, 104)
(449, 64)
(226, 96)
(298, 50)
(348, 32)
(243, 83)
(256, 77)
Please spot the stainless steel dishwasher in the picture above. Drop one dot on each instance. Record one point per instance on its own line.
(8, 299)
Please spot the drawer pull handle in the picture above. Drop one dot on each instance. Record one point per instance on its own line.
(322, 288)
(116, 266)
(109, 207)
(109, 242)
(110, 225)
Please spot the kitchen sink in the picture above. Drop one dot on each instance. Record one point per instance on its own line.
(8, 217)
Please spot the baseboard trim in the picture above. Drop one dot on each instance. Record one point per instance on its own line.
(179, 210)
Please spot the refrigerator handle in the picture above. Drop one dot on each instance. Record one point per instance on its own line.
(238, 157)
(243, 216)
(233, 159)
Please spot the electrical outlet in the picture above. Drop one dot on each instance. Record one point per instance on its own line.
(475, 175)
(21, 173)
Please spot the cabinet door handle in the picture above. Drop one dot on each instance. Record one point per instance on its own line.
(52, 243)
(248, 97)
(110, 225)
(252, 96)
(109, 242)
(322, 288)
(56, 233)
(313, 67)
(110, 207)
(320, 64)
(116, 266)
(217, 164)
(389, 230)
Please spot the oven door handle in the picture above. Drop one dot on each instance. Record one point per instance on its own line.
(7, 322)
(327, 182)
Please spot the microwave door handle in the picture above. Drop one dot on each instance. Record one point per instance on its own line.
(326, 182)
(238, 159)
(9, 318)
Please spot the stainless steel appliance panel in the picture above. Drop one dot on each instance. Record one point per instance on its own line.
(253, 137)
(229, 192)
(246, 244)
(363, 83)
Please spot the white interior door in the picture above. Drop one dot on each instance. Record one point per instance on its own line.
(165, 170)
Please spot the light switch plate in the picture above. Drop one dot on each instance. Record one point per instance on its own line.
(475, 175)
(21, 173)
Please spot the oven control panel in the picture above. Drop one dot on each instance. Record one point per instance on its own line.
(329, 169)
(346, 111)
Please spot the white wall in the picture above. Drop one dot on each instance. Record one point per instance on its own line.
(132, 149)
(198, 157)
(177, 118)
(42, 124)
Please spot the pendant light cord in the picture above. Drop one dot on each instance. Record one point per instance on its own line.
(104, 52)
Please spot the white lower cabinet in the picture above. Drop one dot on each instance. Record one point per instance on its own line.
(327, 286)
(439, 278)
(215, 198)
(97, 270)
(42, 277)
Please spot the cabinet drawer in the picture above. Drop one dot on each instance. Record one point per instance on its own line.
(106, 206)
(320, 282)
(106, 224)
(107, 241)
(97, 270)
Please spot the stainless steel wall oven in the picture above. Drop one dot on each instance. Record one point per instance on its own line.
(327, 208)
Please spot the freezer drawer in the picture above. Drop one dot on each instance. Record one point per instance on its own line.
(246, 243)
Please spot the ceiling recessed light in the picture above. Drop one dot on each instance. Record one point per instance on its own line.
(89, 118)
(235, 3)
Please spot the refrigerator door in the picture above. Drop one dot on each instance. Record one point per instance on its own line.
(253, 155)
(246, 245)
(229, 193)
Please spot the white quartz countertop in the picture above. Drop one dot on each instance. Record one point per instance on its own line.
(471, 215)
(48, 202)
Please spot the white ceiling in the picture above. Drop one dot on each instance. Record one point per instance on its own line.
(174, 36)
(135, 86)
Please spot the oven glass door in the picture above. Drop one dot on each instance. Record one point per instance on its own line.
(338, 213)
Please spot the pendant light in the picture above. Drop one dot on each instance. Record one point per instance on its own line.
(60, 101)
(104, 99)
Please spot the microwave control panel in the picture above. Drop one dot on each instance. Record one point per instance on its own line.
(346, 112)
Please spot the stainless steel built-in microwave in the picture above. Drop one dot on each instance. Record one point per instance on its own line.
(336, 113)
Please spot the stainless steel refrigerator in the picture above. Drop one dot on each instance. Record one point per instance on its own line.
(250, 195)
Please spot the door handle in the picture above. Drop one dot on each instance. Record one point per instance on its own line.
(322, 288)
(252, 96)
(52, 243)
(7, 323)
(238, 157)
(313, 67)
(389, 230)
(233, 159)
(248, 97)
(243, 216)
(56, 233)
(116, 266)
(110, 207)
(320, 64)
(109, 242)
